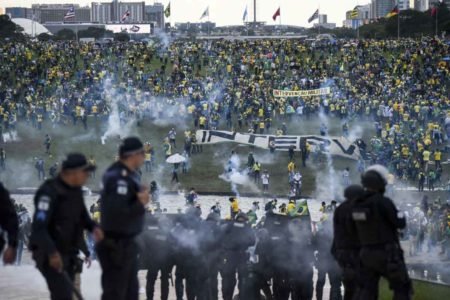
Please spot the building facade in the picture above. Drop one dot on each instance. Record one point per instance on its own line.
(112, 12)
(101, 12)
(403, 4)
(380, 8)
(421, 5)
(155, 13)
(45, 13)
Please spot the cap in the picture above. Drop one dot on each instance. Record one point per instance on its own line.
(75, 161)
(130, 146)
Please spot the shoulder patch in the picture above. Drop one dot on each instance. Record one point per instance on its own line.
(43, 203)
(122, 187)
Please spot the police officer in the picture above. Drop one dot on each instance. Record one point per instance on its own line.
(300, 259)
(346, 246)
(157, 254)
(377, 223)
(58, 222)
(325, 263)
(122, 207)
(9, 224)
(238, 237)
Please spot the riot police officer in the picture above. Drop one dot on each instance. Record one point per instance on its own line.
(156, 254)
(377, 223)
(346, 246)
(8, 223)
(325, 263)
(122, 206)
(58, 222)
(238, 237)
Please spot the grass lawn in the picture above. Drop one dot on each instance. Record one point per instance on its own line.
(205, 168)
(422, 291)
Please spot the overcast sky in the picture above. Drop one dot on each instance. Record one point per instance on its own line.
(227, 12)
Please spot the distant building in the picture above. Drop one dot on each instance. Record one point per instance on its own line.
(380, 8)
(101, 12)
(433, 2)
(404, 4)
(363, 17)
(325, 25)
(55, 13)
(323, 19)
(204, 26)
(155, 13)
(112, 12)
(421, 5)
(18, 12)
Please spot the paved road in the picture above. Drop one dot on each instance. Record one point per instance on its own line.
(26, 283)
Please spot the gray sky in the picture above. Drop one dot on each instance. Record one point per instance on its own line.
(226, 12)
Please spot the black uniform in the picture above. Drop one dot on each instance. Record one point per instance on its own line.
(156, 254)
(8, 219)
(301, 259)
(238, 237)
(58, 222)
(326, 264)
(346, 246)
(377, 221)
(122, 219)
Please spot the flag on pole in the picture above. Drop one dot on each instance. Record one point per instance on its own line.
(355, 13)
(393, 12)
(205, 13)
(125, 15)
(244, 17)
(70, 13)
(276, 14)
(167, 11)
(314, 16)
(434, 11)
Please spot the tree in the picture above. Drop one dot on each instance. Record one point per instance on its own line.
(43, 37)
(65, 34)
(121, 37)
(95, 32)
(9, 29)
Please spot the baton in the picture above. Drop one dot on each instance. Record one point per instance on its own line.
(69, 281)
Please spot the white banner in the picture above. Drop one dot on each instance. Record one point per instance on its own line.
(339, 146)
(286, 94)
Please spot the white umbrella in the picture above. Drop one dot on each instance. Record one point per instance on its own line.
(175, 159)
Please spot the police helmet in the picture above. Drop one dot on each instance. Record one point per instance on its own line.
(375, 178)
(353, 192)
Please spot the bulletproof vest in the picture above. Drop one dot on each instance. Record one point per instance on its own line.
(65, 225)
(345, 233)
(238, 237)
(372, 228)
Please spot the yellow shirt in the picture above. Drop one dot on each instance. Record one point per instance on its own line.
(235, 206)
(426, 155)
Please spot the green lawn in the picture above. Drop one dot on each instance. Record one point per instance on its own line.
(205, 167)
(422, 291)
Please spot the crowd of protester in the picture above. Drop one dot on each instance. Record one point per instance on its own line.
(401, 86)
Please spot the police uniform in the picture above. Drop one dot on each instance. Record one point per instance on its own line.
(156, 254)
(377, 222)
(325, 263)
(346, 246)
(8, 219)
(238, 237)
(122, 219)
(58, 223)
